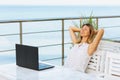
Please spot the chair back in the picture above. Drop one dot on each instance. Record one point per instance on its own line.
(94, 63)
(112, 66)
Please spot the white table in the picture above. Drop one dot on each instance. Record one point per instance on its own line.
(14, 72)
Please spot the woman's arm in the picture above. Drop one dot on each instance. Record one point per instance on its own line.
(73, 35)
(93, 46)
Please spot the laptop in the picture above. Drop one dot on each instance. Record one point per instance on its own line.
(28, 57)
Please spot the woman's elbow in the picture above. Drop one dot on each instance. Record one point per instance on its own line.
(70, 28)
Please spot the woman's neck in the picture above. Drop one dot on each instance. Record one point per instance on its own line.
(84, 39)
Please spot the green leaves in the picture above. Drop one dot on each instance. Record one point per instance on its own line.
(89, 20)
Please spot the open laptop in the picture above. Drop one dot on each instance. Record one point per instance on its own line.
(28, 57)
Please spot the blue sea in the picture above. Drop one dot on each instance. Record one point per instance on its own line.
(40, 39)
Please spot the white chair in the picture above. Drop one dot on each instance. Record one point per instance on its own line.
(112, 66)
(94, 65)
(98, 61)
(109, 46)
(106, 46)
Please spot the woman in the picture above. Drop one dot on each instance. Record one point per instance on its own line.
(84, 47)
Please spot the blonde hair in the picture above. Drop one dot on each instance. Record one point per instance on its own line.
(91, 36)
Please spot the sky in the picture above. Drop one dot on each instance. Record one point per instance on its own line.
(62, 2)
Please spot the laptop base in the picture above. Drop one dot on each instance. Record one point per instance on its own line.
(43, 66)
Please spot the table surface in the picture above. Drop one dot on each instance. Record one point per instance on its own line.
(14, 72)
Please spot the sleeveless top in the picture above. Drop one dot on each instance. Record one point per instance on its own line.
(78, 57)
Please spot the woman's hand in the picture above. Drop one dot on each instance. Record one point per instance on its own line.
(95, 31)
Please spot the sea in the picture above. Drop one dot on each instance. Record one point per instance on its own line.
(12, 13)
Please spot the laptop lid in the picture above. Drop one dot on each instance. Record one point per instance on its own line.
(27, 56)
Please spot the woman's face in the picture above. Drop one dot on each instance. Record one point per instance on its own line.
(85, 31)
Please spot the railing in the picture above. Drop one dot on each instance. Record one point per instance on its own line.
(62, 30)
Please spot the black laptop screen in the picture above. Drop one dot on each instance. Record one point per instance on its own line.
(27, 56)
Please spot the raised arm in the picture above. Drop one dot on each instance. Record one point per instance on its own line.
(93, 46)
(74, 38)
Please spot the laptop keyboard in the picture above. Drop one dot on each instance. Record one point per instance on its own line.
(43, 66)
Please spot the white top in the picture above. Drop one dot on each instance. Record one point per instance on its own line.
(78, 57)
